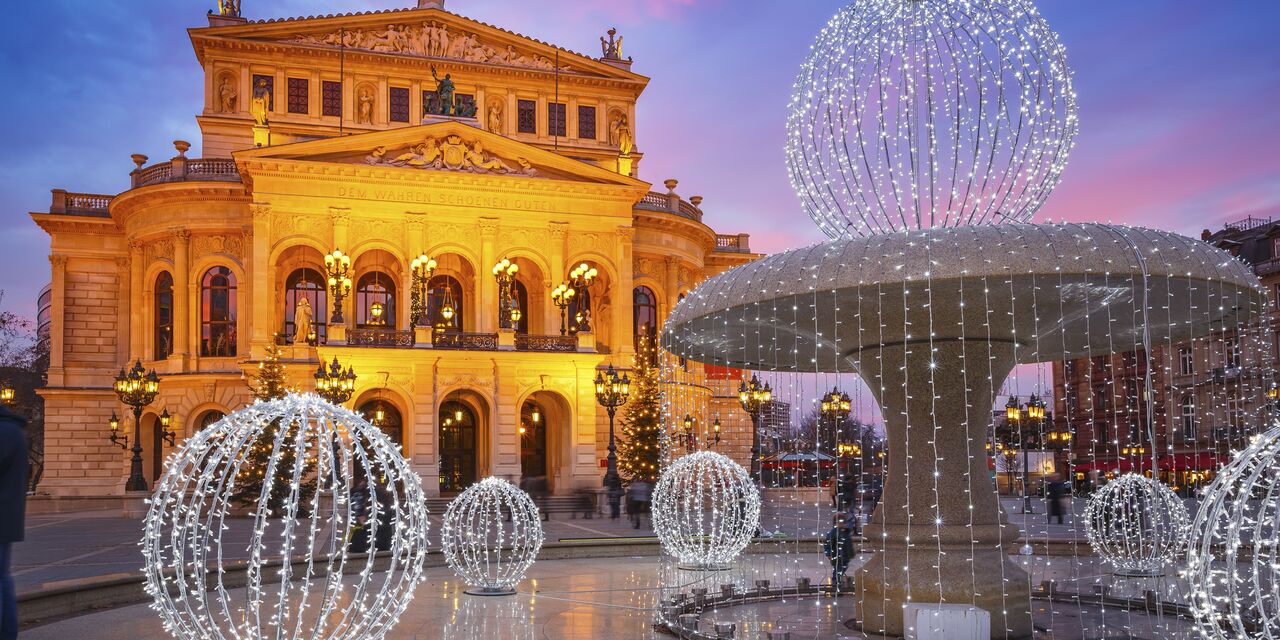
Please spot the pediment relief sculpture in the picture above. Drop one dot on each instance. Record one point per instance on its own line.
(431, 39)
(451, 153)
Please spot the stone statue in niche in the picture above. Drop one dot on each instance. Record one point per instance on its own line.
(364, 112)
(620, 135)
(444, 92)
(494, 123)
(302, 326)
(259, 105)
(227, 96)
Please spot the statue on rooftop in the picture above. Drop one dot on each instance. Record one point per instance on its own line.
(229, 8)
(444, 92)
(611, 49)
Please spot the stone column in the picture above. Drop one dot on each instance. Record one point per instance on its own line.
(181, 299)
(131, 310)
(623, 338)
(671, 283)
(487, 307)
(259, 264)
(559, 232)
(940, 517)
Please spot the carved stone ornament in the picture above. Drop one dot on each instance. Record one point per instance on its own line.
(433, 40)
(228, 245)
(450, 154)
(159, 250)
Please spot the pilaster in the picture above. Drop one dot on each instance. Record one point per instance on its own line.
(487, 310)
(130, 307)
(259, 265)
(58, 319)
(182, 312)
(559, 232)
(622, 318)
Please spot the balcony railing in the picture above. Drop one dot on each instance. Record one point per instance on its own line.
(81, 204)
(182, 169)
(733, 243)
(546, 343)
(467, 341)
(669, 203)
(373, 337)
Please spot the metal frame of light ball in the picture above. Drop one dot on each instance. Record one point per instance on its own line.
(1138, 525)
(182, 541)
(912, 114)
(474, 538)
(702, 541)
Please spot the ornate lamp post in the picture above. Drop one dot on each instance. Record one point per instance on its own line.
(611, 393)
(136, 388)
(166, 428)
(562, 297)
(334, 384)
(754, 397)
(580, 279)
(1025, 421)
(835, 408)
(337, 266)
(690, 433)
(713, 438)
(505, 273)
(7, 393)
(421, 270)
(114, 425)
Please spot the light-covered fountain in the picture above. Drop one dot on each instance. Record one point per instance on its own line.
(923, 135)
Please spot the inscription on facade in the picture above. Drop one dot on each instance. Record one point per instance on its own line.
(487, 201)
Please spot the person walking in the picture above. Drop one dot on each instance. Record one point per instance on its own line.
(1057, 492)
(838, 547)
(638, 497)
(614, 495)
(13, 508)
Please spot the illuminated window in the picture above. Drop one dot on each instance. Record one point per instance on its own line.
(645, 309)
(164, 315)
(218, 313)
(376, 301)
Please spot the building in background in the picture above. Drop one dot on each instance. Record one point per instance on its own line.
(386, 135)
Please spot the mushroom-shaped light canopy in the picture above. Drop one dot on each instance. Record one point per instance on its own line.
(1053, 291)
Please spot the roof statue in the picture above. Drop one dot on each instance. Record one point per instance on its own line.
(611, 49)
(229, 8)
(431, 4)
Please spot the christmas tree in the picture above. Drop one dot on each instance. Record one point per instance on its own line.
(270, 384)
(640, 446)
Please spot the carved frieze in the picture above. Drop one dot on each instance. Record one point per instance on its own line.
(161, 249)
(365, 228)
(452, 153)
(232, 245)
(285, 225)
(523, 237)
(432, 40)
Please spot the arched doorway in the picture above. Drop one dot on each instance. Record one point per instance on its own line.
(534, 467)
(459, 442)
(385, 416)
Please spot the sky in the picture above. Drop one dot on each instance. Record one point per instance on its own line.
(1179, 104)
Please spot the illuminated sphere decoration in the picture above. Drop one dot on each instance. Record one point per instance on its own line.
(1233, 564)
(1137, 524)
(912, 114)
(322, 470)
(705, 511)
(491, 535)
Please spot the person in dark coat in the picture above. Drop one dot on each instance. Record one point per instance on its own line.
(13, 508)
(838, 547)
(1057, 493)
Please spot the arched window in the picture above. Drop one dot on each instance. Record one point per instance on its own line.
(385, 416)
(446, 289)
(522, 299)
(207, 419)
(306, 284)
(376, 301)
(218, 313)
(645, 309)
(164, 315)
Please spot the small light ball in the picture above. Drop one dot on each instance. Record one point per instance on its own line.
(328, 477)
(1137, 524)
(491, 535)
(706, 509)
(1233, 565)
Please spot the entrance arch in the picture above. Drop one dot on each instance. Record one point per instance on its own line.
(459, 430)
(545, 444)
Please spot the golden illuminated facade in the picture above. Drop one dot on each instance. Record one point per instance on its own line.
(388, 136)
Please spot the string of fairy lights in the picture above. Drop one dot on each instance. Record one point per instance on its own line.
(491, 535)
(706, 509)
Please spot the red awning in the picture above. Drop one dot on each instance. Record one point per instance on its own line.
(1202, 461)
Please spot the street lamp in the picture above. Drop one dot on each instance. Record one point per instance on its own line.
(421, 269)
(611, 393)
(334, 384)
(116, 438)
(166, 432)
(7, 393)
(753, 397)
(562, 297)
(580, 280)
(337, 266)
(505, 273)
(690, 433)
(1026, 420)
(137, 388)
(714, 438)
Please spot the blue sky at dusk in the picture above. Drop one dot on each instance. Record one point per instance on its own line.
(1179, 103)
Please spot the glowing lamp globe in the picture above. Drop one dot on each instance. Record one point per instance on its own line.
(912, 114)
(706, 509)
(491, 535)
(307, 474)
(1137, 524)
(1233, 564)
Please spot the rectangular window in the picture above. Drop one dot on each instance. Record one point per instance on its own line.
(1100, 393)
(466, 104)
(587, 123)
(1232, 353)
(1188, 418)
(1186, 361)
(526, 116)
(398, 104)
(270, 81)
(299, 95)
(556, 120)
(331, 98)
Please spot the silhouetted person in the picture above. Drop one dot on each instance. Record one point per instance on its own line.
(13, 506)
(1057, 494)
(838, 547)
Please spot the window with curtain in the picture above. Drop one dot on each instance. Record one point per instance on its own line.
(644, 305)
(376, 301)
(163, 320)
(218, 313)
(442, 287)
(310, 285)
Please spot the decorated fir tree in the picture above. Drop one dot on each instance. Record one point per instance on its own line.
(640, 444)
(270, 383)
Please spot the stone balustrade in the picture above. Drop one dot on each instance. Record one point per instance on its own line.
(182, 169)
(733, 242)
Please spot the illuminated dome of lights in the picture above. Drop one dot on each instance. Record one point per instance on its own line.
(910, 114)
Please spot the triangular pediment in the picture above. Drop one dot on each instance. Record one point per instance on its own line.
(422, 33)
(449, 146)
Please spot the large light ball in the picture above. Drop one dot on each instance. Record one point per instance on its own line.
(280, 488)
(706, 509)
(491, 535)
(1137, 524)
(1233, 564)
(910, 114)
